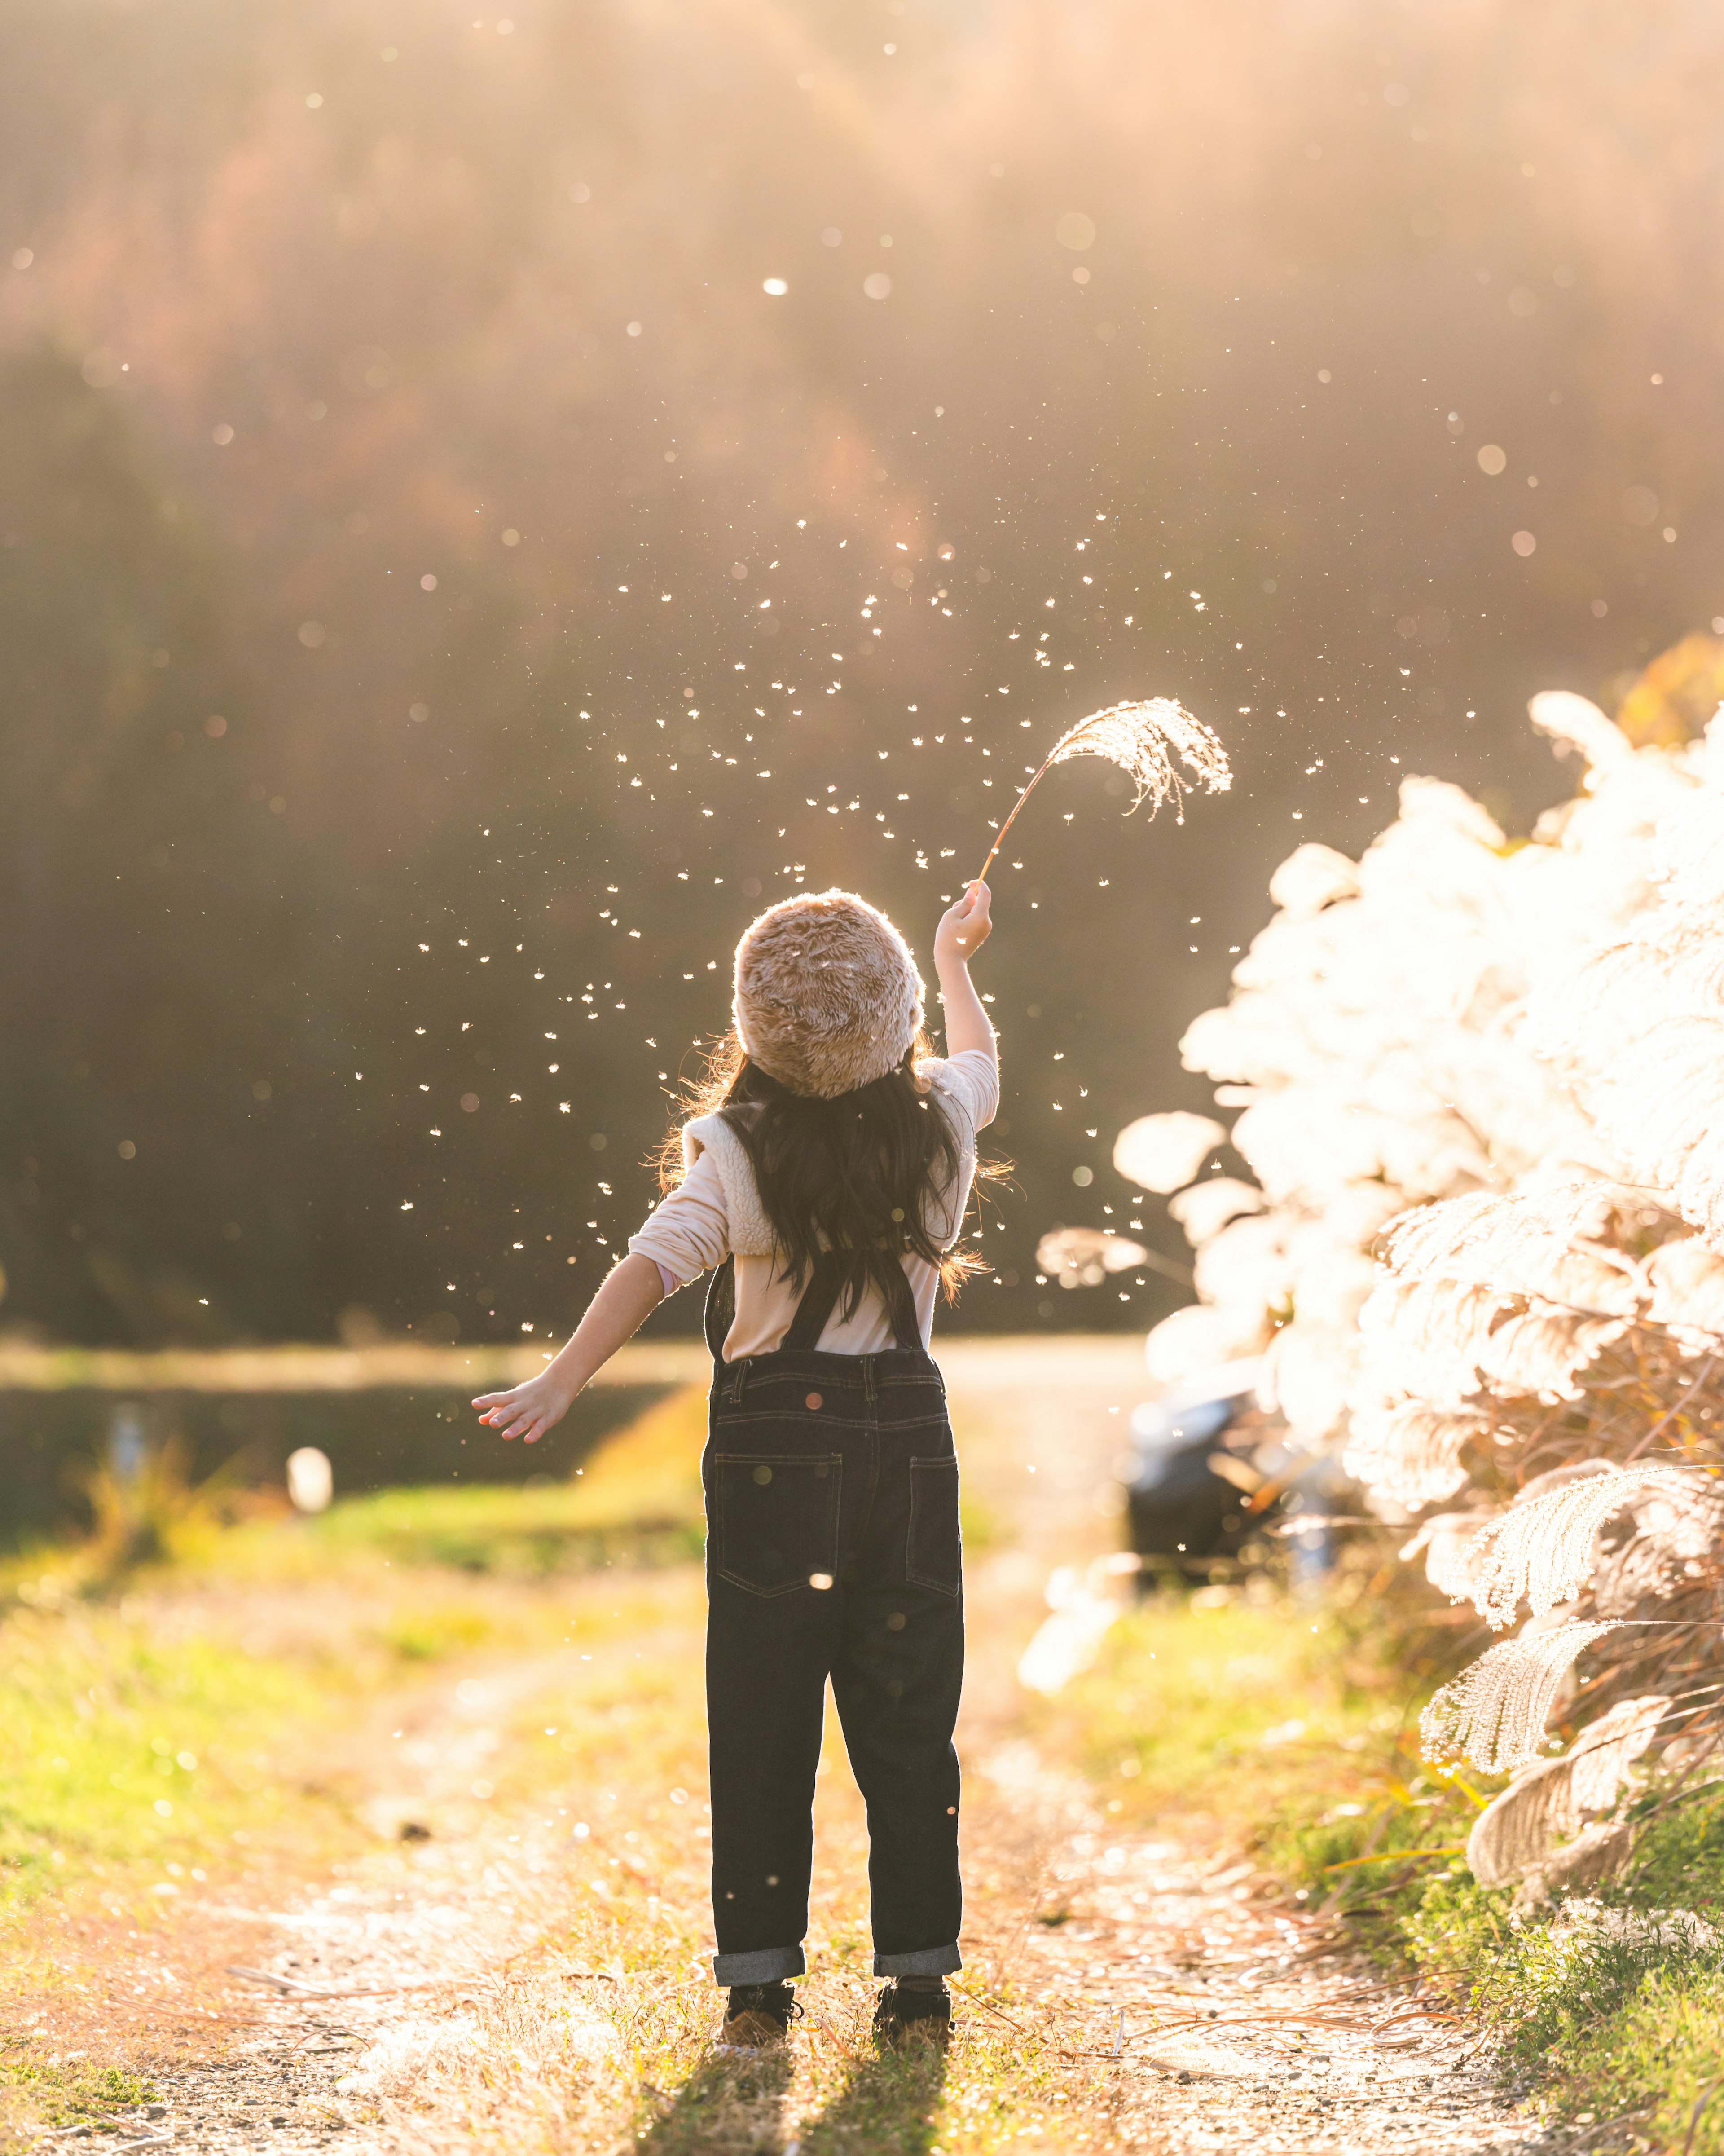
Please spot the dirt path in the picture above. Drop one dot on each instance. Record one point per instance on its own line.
(1235, 2022)
(525, 1971)
(1180, 2010)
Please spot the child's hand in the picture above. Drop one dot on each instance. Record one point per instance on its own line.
(527, 1411)
(963, 928)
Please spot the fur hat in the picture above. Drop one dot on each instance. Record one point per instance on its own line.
(828, 997)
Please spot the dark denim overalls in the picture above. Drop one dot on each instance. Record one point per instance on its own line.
(832, 1550)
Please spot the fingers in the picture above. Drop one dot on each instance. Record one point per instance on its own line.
(971, 914)
(511, 1413)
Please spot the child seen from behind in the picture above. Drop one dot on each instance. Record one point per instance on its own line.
(823, 1183)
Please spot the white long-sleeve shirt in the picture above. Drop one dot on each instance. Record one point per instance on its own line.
(700, 1224)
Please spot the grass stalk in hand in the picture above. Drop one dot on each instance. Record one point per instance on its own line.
(1144, 740)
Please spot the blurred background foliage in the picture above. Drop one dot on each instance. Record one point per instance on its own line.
(371, 372)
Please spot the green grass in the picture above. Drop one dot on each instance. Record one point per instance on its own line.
(980, 1525)
(119, 1748)
(638, 1502)
(1653, 2058)
(1610, 2023)
(1679, 1862)
(1618, 2012)
(144, 1738)
(38, 2095)
(1183, 1693)
(517, 1533)
(1262, 1714)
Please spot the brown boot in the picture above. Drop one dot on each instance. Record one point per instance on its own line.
(904, 2016)
(757, 2016)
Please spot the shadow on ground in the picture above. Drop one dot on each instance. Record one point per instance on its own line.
(887, 2106)
(726, 2103)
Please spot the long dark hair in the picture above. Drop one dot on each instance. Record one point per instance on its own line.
(853, 1174)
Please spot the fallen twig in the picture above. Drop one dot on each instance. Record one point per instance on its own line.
(1293, 2018)
(292, 1987)
(971, 1998)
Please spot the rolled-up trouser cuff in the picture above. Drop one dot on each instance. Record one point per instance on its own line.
(767, 1965)
(926, 1961)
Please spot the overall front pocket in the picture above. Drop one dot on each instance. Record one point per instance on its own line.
(935, 1557)
(775, 1524)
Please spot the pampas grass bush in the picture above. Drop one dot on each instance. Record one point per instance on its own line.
(1480, 1084)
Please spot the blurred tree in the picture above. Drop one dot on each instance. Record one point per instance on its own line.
(424, 388)
(111, 833)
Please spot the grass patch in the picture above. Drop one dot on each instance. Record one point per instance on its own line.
(1187, 1690)
(434, 1634)
(980, 1524)
(123, 1747)
(38, 2096)
(1679, 1860)
(1269, 1717)
(1656, 2059)
(1616, 2014)
(637, 1501)
(145, 1740)
(1615, 2001)
(1292, 1726)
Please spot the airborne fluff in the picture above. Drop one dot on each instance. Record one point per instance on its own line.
(1148, 742)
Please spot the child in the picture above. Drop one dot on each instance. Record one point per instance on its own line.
(826, 1183)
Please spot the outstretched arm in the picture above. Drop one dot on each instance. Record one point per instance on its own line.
(631, 1292)
(963, 929)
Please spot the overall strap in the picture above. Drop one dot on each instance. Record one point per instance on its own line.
(720, 1306)
(819, 1299)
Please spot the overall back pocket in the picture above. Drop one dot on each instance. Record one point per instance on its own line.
(934, 1558)
(775, 1519)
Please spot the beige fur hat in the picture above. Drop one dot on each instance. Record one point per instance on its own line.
(828, 997)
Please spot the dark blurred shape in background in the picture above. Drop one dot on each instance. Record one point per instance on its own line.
(485, 503)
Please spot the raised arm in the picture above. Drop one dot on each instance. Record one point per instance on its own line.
(631, 1292)
(963, 929)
